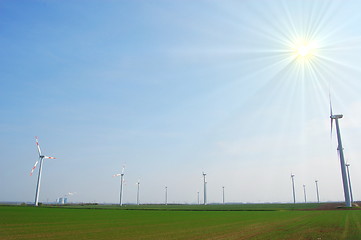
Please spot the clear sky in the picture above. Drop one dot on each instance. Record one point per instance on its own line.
(174, 88)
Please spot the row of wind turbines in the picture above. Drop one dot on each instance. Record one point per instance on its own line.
(346, 181)
(345, 173)
(165, 189)
(317, 189)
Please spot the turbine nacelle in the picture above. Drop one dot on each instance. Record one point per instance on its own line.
(336, 116)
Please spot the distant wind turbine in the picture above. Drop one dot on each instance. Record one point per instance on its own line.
(41, 158)
(293, 188)
(205, 188)
(166, 195)
(318, 197)
(223, 194)
(198, 197)
(346, 189)
(121, 185)
(304, 193)
(138, 183)
(349, 181)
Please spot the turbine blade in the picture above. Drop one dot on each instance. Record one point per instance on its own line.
(38, 146)
(116, 175)
(123, 169)
(331, 114)
(49, 157)
(32, 170)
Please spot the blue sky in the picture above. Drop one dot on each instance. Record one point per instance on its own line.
(174, 88)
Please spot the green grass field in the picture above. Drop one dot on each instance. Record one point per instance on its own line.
(210, 207)
(178, 222)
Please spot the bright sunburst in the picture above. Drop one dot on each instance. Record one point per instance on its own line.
(304, 49)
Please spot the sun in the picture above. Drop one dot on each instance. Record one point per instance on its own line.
(304, 49)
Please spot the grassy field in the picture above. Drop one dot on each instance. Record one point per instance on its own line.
(109, 222)
(210, 207)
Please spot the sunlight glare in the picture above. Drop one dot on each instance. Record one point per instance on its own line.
(304, 49)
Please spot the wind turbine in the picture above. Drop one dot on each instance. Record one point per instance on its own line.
(121, 185)
(198, 197)
(205, 188)
(304, 192)
(138, 183)
(346, 189)
(349, 181)
(166, 195)
(318, 197)
(223, 194)
(41, 158)
(293, 188)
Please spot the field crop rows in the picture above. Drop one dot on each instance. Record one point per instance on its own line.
(18, 222)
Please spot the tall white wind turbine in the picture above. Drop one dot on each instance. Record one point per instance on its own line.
(318, 196)
(41, 158)
(304, 193)
(138, 184)
(121, 185)
(293, 188)
(349, 181)
(346, 189)
(205, 188)
(223, 194)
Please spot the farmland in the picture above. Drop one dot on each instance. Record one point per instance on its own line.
(179, 222)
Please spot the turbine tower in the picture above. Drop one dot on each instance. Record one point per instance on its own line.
(205, 188)
(349, 181)
(318, 196)
(223, 194)
(138, 183)
(293, 188)
(166, 195)
(346, 189)
(41, 158)
(198, 197)
(304, 192)
(121, 185)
